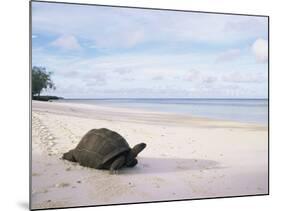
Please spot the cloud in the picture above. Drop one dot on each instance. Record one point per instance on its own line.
(69, 73)
(209, 79)
(260, 50)
(192, 75)
(185, 75)
(139, 53)
(66, 42)
(229, 55)
(122, 71)
(200, 77)
(108, 27)
(247, 25)
(157, 78)
(96, 79)
(238, 77)
(128, 79)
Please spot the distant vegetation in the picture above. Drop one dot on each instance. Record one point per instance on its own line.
(41, 80)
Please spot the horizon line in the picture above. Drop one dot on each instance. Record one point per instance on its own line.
(166, 98)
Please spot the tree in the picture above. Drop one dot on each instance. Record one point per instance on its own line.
(41, 79)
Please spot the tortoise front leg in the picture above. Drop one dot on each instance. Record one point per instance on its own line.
(117, 164)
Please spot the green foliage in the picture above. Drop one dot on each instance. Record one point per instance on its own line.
(41, 79)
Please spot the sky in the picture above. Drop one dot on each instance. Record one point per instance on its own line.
(111, 52)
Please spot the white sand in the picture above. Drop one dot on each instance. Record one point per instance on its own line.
(185, 157)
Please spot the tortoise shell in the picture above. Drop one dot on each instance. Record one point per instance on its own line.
(98, 148)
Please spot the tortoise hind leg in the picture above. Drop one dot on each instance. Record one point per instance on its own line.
(117, 164)
(132, 163)
(69, 156)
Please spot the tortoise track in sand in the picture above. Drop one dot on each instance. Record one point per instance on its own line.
(47, 139)
(52, 136)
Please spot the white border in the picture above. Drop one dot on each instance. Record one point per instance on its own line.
(14, 104)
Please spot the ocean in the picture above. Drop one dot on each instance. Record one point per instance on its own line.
(241, 110)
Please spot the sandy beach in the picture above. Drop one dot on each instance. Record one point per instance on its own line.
(186, 157)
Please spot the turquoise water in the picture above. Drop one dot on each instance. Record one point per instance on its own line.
(242, 110)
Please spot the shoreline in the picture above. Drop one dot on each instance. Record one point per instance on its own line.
(69, 109)
(217, 109)
(185, 158)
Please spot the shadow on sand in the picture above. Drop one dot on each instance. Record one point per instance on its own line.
(150, 165)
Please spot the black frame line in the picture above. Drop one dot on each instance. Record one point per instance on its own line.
(146, 8)
(150, 8)
(30, 105)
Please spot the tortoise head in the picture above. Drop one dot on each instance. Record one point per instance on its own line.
(131, 158)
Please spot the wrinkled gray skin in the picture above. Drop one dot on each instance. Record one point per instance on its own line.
(104, 149)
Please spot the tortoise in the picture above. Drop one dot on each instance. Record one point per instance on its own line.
(104, 149)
